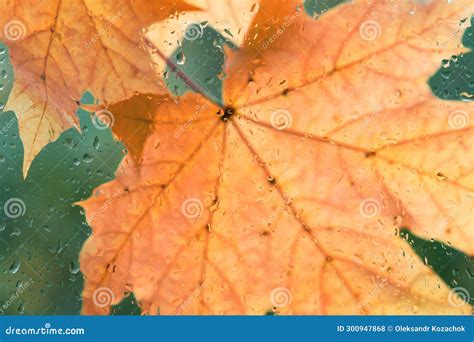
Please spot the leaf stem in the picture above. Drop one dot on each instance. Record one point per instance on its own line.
(175, 68)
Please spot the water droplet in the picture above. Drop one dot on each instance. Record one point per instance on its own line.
(74, 267)
(15, 266)
(68, 143)
(96, 143)
(87, 158)
(180, 58)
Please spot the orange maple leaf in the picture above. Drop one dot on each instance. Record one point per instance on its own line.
(59, 49)
(291, 197)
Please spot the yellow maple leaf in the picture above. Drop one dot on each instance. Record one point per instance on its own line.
(59, 49)
(290, 196)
